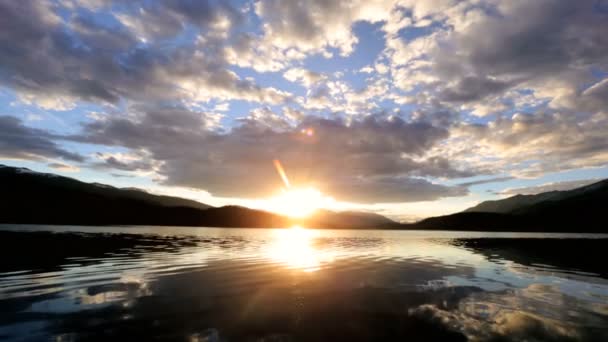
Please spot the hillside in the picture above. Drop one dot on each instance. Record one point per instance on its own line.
(44, 198)
(347, 219)
(578, 210)
(24, 181)
(510, 204)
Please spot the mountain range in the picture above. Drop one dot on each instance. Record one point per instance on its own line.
(578, 210)
(45, 198)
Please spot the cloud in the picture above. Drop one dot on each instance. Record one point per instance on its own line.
(534, 38)
(314, 26)
(477, 54)
(303, 76)
(485, 181)
(472, 89)
(529, 145)
(592, 99)
(390, 189)
(125, 162)
(22, 142)
(164, 19)
(366, 70)
(475, 88)
(63, 167)
(294, 30)
(525, 44)
(55, 62)
(375, 159)
(118, 175)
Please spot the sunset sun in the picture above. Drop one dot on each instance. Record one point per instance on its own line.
(298, 202)
(318, 170)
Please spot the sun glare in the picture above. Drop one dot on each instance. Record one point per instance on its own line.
(293, 201)
(298, 202)
(294, 248)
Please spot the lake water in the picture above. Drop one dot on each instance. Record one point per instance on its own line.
(210, 284)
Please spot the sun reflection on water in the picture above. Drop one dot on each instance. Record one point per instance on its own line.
(294, 247)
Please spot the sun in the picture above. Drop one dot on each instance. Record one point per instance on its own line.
(298, 202)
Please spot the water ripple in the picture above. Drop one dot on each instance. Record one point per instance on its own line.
(298, 285)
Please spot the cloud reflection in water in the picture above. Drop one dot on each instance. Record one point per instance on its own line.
(300, 284)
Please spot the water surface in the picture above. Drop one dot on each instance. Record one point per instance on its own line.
(209, 284)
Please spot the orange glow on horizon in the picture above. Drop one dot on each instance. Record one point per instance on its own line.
(296, 202)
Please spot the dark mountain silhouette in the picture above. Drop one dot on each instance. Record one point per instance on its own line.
(347, 219)
(47, 183)
(510, 204)
(578, 210)
(44, 198)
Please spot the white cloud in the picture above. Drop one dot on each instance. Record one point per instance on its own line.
(303, 76)
(514, 87)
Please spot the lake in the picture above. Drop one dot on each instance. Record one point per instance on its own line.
(64, 283)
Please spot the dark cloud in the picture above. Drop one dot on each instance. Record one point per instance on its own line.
(529, 145)
(592, 99)
(114, 163)
(524, 42)
(485, 181)
(375, 159)
(53, 62)
(22, 142)
(167, 18)
(164, 59)
(370, 189)
(118, 175)
(472, 89)
(307, 23)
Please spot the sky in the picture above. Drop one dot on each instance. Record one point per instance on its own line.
(405, 108)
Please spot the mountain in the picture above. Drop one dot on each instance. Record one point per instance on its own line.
(347, 219)
(47, 183)
(578, 210)
(45, 198)
(510, 204)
